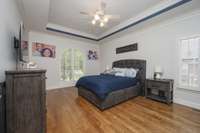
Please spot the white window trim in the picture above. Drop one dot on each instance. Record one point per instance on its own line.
(180, 65)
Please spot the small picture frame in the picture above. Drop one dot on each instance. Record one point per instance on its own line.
(92, 55)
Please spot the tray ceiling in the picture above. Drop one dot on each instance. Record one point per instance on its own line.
(67, 13)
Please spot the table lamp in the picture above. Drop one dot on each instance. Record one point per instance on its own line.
(158, 72)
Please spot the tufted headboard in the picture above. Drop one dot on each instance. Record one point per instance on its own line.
(134, 63)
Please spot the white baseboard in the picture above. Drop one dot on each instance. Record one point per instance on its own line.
(53, 88)
(57, 87)
(187, 103)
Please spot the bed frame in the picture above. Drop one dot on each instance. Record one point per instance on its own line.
(122, 95)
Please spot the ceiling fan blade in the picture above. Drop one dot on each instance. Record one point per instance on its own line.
(84, 13)
(113, 16)
(87, 13)
(103, 6)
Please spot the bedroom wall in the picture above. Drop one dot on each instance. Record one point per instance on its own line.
(158, 44)
(53, 65)
(9, 27)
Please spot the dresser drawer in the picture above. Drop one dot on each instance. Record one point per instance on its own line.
(157, 85)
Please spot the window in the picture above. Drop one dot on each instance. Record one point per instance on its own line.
(72, 65)
(189, 77)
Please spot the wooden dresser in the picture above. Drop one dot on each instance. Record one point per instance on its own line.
(2, 108)
(26, 101)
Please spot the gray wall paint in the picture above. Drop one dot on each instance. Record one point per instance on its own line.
(9, 27)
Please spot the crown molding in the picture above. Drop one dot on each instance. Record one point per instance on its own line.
(68, 31)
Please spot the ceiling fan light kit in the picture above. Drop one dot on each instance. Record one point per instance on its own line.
(93, 22)
(105, 19)
(100, 17)
(96, 17)
(101, 24)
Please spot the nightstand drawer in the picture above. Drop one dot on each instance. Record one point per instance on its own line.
(157, 85)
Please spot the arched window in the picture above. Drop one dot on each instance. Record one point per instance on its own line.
(72, 65)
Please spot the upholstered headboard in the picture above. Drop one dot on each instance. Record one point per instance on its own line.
(132, 63)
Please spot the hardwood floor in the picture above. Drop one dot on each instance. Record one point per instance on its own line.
(68, 113)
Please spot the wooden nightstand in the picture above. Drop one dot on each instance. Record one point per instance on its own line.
(159, 90)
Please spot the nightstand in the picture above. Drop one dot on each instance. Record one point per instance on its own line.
(159, 90)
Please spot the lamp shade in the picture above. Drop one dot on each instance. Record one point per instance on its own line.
(158, 69)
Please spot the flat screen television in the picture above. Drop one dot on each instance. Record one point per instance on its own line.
(19, 45)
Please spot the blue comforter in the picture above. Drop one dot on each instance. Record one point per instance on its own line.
(103, 84)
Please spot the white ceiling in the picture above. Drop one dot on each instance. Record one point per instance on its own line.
(65, 14)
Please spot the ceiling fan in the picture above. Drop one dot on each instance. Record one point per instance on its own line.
(100, 17)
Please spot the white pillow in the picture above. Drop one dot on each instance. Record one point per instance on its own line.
(119, 69)
(131, 72)
(126, 72)
(110, 71)
(120, 74)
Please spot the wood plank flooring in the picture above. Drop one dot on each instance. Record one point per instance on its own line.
(68, 113)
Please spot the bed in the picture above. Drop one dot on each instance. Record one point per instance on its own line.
(105, 91)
